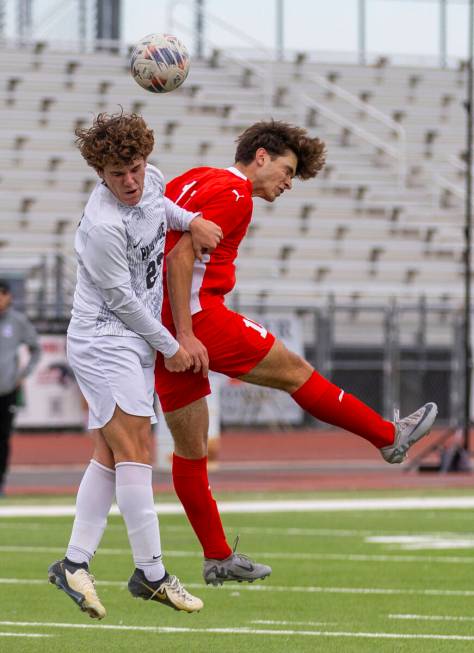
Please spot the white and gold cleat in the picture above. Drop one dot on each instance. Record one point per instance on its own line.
(168, 591)
(76, 581)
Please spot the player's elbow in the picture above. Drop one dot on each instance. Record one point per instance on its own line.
(182, 254)
(173, 259)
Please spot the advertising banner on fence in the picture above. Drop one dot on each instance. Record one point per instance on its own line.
(242, 403)
(50, 395)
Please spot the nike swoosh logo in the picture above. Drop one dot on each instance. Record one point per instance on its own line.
(156, 557)
(135, 245)
(248, 567)
(161, 596)
(156, 594)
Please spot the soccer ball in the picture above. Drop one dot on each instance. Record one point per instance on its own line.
(159, 63)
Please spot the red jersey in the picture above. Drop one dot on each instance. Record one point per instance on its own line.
(225, 197)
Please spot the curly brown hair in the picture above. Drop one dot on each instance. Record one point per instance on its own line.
(117, 139)
(278, 137)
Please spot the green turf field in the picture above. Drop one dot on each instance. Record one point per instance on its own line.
(352, 580)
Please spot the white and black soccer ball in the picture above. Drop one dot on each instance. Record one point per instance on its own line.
(159, 63)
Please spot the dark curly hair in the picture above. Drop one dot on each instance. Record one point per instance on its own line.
(277, 138)
(117, 139)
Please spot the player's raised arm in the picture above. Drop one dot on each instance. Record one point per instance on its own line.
(206, 235)
(179, 265)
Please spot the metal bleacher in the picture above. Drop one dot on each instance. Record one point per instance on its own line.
(384, 219)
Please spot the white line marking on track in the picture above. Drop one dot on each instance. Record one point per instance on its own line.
(277, 588)
(246, 631)
(337, 557)
(429, 617)
(324, 505)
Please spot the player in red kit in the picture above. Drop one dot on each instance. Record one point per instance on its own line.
(268, 156)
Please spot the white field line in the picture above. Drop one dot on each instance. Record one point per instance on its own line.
(290, 532)
(276, 588)
(287, 532)
(274, 622)
(422, 541)
(429, 617)
(254, 530)
(246, 631)
(316, 532)
(336, 557)
(325, 505)
(24, 635)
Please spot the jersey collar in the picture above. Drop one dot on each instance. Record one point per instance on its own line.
(237, 172)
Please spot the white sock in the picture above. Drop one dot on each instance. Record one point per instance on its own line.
(94, 499)
(135, 500)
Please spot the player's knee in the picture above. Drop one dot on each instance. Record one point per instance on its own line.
(133, 446)
(189, 442)
(191, 449)
(142, 444)
(104, 456)
(296, 372)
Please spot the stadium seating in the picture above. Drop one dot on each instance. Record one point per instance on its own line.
(383, 219)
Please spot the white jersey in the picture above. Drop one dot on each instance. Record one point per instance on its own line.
(120, 251)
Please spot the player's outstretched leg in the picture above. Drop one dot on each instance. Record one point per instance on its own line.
(168, 591)
(409, 430)
(237, 567)
(78, 583)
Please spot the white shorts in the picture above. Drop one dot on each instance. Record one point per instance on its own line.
(113, 370)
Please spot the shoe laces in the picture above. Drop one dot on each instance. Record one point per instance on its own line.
(236, 542)
(241, 556)
(174, 584)
(410, 420)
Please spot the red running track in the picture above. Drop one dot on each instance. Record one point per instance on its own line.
(312, 460)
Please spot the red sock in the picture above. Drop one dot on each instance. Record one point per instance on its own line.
(192, 487)
(327, 402)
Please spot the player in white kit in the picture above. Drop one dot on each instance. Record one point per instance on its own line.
(112, 340)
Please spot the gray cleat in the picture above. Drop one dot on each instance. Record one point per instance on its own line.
(237, 567)
(409, 430)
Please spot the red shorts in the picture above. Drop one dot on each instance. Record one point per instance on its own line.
(234, 344)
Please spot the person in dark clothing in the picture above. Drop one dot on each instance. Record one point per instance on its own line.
(15, 330)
